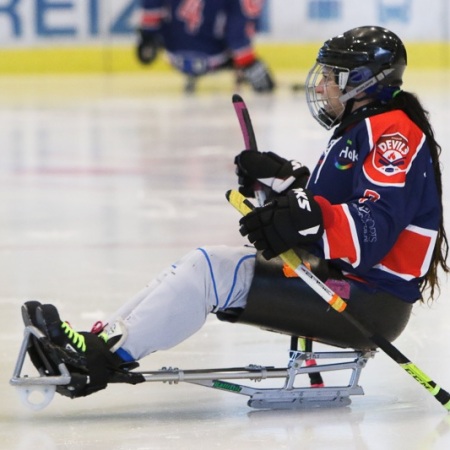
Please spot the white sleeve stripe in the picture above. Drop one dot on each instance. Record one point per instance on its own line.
(354, 235)
(326, 245)
(369, 133)
(404, 276)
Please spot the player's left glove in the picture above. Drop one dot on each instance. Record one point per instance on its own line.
(258, 76)
(147, 46)
(294, 219)
(268, 168)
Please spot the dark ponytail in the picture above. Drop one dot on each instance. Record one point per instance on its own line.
(410, 104)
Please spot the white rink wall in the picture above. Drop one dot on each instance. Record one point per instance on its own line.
(47, 23)
(312, 20)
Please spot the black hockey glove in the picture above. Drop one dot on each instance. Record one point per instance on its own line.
(148, 45)
(271, 170)
(294, 219)
(258, 76)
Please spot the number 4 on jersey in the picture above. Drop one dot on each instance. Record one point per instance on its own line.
(191, 13)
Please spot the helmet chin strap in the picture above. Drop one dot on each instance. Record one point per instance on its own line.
(349, 105)
(344, 99)
(348, 108)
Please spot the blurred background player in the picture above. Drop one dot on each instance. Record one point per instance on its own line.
(202, 36)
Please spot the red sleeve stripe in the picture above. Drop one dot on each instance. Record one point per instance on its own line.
(152, 18)
(341, 239)
(411, 255)
(243, 56)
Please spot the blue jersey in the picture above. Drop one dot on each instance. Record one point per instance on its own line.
(384, 209)
(218, 30)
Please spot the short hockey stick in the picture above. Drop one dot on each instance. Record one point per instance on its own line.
(245, 122)
(237, 200)
(250, 144)
(249, 139)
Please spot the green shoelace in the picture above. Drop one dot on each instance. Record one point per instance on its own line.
(76, 338)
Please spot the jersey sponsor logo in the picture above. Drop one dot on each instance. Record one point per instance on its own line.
(390, 160)
(346, 158)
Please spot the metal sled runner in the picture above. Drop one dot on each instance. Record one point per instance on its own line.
(287, 396)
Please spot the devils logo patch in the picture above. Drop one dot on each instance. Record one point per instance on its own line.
(389, 160)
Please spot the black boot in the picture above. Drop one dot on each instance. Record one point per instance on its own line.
(86, 355)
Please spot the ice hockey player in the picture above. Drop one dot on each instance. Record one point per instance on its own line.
(371, 213)
(203, 36)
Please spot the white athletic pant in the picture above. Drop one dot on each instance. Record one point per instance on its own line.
(175, 304)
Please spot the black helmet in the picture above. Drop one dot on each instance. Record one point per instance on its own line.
(369, 60)
(362, 48)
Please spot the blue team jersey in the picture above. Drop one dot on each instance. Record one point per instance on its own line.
(385, 211)
(214, 28)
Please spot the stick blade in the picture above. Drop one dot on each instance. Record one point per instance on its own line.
(237, 99)
(244, 122)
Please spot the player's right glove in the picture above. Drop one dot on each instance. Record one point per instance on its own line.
(148, 45)
(258, 76)
(271, 170)
(287, 221)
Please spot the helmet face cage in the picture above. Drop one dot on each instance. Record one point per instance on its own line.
(324, 87)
